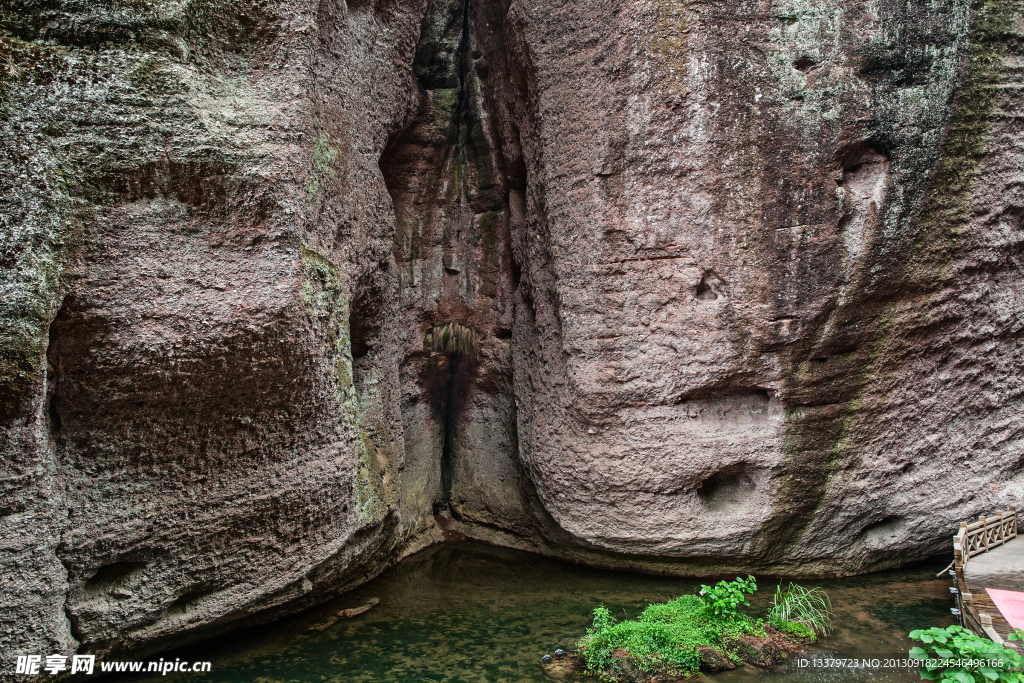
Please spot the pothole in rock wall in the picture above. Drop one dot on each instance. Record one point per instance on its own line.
(188, 599)
(864, 181)
(709, 288)
(864, 168)
(728, 489)
(365, 321)
(729, 406)
(113, 575)
(804, 63)
(883, 532)
(112, 583)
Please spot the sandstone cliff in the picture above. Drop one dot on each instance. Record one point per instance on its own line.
(291, 290)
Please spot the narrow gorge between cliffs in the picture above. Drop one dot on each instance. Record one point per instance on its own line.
(293, 291)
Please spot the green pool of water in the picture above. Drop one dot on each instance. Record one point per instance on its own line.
(470, 613)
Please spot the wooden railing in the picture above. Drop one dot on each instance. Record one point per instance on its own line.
(986, 533)
(974, 539)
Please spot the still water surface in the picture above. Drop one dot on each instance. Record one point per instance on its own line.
(471, 613)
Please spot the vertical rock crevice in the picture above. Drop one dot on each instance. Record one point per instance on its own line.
(455, 348)
(452, 248)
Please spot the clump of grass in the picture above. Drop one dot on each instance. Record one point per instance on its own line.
(664, 639)
(454, 338)
(664, 642)
(804, 612)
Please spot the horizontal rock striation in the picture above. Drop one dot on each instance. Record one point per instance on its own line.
(292, 290)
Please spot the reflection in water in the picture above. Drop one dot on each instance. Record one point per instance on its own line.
(469, 613)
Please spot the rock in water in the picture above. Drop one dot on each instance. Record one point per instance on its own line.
(345, 614)
(356, 611)
(711, 660)
(760, 651)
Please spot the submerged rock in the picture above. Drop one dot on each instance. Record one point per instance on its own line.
(563, 668)
(356, 611)
(345, 614)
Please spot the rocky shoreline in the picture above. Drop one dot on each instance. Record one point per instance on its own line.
(768, 652)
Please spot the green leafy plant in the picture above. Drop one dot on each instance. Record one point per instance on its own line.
(665, 641)
(662, 641)
(955, 655)
(726, 597)
(804, 612)
(596, 646)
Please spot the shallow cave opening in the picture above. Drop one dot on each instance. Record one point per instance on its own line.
(706, 287)
(364, 322)
(859, 159)
(727, 488)
(185, 600)
(887, 526)
(804, 63)
(110, 574)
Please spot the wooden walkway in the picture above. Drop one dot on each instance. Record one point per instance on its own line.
(1002, 567)
(988, 554)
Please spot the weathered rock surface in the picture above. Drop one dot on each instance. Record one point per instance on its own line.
(760, 651)
(290, 290)
(768, 264)
(193, 197)
(713, 661)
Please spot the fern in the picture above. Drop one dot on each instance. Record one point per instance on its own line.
(452, 337)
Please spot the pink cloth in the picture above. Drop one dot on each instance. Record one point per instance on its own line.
(1010, 604)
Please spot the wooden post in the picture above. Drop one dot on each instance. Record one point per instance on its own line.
(958, 558)
(960, 550)
(986, 626)
(984, 530)
(1013, 511)
(967, 598)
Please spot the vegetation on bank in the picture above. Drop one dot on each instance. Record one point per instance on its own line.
(674, 638)
(803, 612)
(955, 655)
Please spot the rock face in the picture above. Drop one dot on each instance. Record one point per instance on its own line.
(291, 290)
(767, 270)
